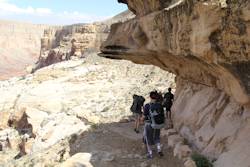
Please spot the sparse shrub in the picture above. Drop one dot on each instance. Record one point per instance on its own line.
(94, 126)
(201, 161)
(185, 142)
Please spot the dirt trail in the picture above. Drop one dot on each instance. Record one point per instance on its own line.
(117, 145)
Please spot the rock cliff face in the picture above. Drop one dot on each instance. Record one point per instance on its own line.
(19, 47)
(207, 45)
(73, 41)
(197, 40)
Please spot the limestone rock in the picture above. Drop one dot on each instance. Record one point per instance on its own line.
(182, 151)
(29, 69)
(171, 132)
(144, 164)
(174, 140)
(9, 139)
(206, 44)
(144, 7)
(67, 42)
(80, 159)
(35, 118)
(215, 124)
(20, 47)
(5, 115)
(62, 103)
(195, 45)
(60, 126)
(189, 163)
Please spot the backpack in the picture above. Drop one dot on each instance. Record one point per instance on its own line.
(157, 118)
(167, 101)
(138, 102)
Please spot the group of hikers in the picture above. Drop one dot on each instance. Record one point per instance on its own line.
(153, 116)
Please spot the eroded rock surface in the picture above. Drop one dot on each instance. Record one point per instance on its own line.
(74, 41)
(207, 45)
(197, 40)
(55, 113)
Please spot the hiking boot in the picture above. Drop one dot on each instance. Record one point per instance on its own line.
(161, 154)
(136, 131)
(149, 156)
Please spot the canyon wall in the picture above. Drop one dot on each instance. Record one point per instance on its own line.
(207, 45)
(19, 47)
(75, 40)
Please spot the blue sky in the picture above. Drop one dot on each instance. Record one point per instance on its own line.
(59, 11)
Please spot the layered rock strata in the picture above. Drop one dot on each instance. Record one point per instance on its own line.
(207, 45)
(75, 40)
(197, 40)
(19, 47)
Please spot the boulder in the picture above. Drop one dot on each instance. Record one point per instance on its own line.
(9, 139)
(189, 163)
(35, 118)
(79, 159)
(182, 151)
(57, 127)
(174, 140)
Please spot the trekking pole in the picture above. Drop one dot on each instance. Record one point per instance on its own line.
(145, 135)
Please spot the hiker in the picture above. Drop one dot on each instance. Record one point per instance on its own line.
(168, 102)
(154, 122)
(160, 97)
(136, 108)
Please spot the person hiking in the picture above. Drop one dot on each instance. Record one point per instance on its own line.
(154, 121)
(168, 102)
(160, 97)
(136, 108)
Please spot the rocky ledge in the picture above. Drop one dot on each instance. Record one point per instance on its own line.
(55, 113)
(207, 45)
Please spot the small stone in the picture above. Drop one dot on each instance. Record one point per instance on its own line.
(223, 3)
(108, 158)
(80, 159)
(130, 156)
(137, 156)
(143, 164)
(29, 69)
(189, 163)
(171, 132)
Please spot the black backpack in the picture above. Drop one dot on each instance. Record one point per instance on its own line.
(167, 101)
(138, 102)
(157, 117)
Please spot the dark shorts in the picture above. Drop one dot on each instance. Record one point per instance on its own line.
(168, 108)
(151, 136)
(137, 114)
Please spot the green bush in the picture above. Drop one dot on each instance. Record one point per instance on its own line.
(201, 161)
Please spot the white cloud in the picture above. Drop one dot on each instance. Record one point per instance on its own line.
(8, 8)
(44, 15)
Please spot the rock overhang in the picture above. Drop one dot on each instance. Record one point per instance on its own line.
(199, 41)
